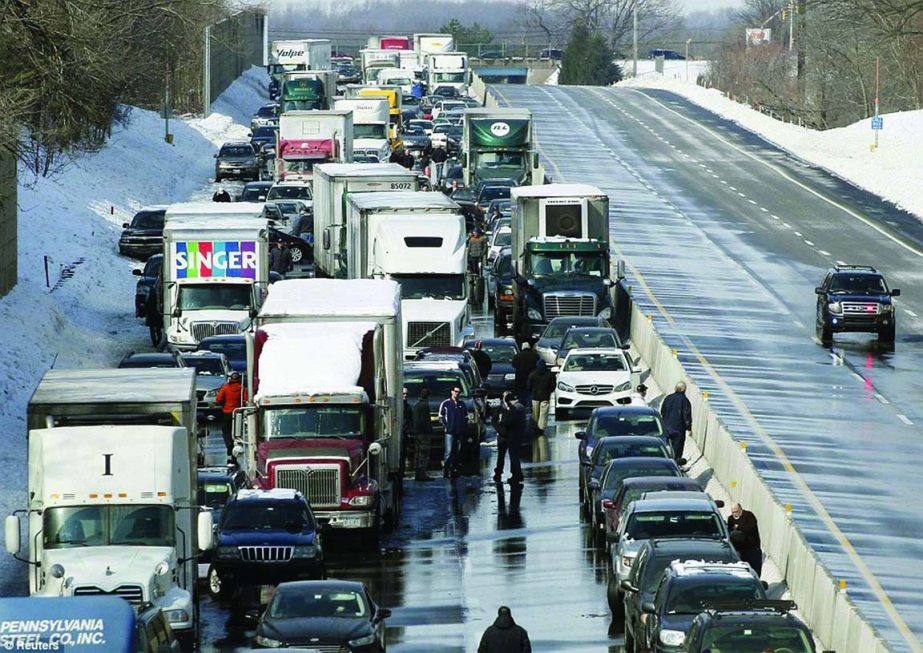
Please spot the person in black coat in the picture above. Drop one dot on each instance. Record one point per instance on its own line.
(280, 258)
(221, 196)
(745, 536)
(540, 385)
(505, 635)
(511, 430)
(481, 359)
(524, 364)
(676, 412)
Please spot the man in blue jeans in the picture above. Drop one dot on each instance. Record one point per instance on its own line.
(453, 415)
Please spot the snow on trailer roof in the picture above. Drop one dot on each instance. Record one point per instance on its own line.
(311, 359)
(111, 386)
(402, 201)
(254, 209)
(555, 190)
(193, 222)
(359, 298)
(363, 170)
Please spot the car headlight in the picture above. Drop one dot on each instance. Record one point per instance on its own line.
(308, 551)
(627, 560)
(622, 387)
(672, 637)
(268, 642)
(176, 616)
(361, 501)
(509, 377)
(534, 314)
(226, 552)
(835, 307)
(887, 308)
(211, 393)
(363, 641)
(566, 387)
(606, 313)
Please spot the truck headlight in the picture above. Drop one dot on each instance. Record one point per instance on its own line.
(622, 387)
(566, 387)
(887, 308)
(672, 637)
(606, 313)
(835, 307)
(509, 377)
(534, 314)
(226, 552)
(368, 640)
(361, 501)
(308, 551)
(268, 642)
(176, 616)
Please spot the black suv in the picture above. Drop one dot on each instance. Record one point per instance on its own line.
(237, 160)
(855, 298)
(149, 276)
(749, 627)
(143, 236)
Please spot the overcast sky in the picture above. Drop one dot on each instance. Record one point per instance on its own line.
(695, 5)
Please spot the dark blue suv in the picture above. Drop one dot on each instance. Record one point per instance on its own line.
(855, 298)
(265, 537)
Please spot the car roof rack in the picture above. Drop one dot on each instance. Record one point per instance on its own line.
(780, 606)
(865, 268)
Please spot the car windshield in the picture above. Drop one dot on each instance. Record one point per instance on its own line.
(213, 495)
(591, 264)
(211, 296)
(308, 422)
(628, 424)
(253, 193)
(439, 286)
(146, 361)
(757, 638)
(860, 284)
(153, 266)
(556, 330)
(301, 604)
(601, 362)
(129, 525)
(148, 220)
(503, 239)
(241, 150)
(590, 340)
(294, 192)
(634, 493)
(439, 384)
(673, 523)
(264, 132)
(236, 350)
(370, 131)
(265, 515)
(500, 353)
(442, 128)
(206, 365)
(614, 477)
(690, 598)
(504, 266)
(612, 450)
(268, 112)
(489, 193)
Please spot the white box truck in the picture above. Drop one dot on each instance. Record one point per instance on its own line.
(370, 126)
(292, 56)
(375, 60)
(307, 138)
(215, 271)
(447, 69)
(402, 78)
(425, 44)
(333, 183)
(418, 240)
(326, 416)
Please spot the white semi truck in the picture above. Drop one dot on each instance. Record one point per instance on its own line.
(403, 78)
(292, 56)
(426, 44)
(307, 138)
(111, 506)
(215, 270)
(326, 417)
(447, 69)
(333, 183)
(376, 60)
(370, 125)
(418, 240)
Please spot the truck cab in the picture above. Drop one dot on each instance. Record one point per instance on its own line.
(371, 119)
(308, 138)
(310, 90)
(499, 144)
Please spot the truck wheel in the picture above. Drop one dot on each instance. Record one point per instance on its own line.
(616, 603)
(887, 334)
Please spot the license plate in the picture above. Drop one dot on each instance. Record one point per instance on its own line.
(235, 172)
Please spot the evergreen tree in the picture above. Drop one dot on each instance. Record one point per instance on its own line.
(588, 59)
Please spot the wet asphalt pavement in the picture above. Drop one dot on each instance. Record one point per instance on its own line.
(725, 238)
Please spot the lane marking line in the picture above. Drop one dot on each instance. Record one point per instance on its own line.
(905, 419)
(881, 398)
(909, 312)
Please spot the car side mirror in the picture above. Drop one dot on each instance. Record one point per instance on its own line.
(555, 369)
(214, 156)
(125, 226)
(626, 586)
(612, 537)
(765, 585)
(648, 607)
(249, 134)
(719, 503)
(608, 505)
(383, 613)
(580, 435)
(136, 272)
(895, 292)
(819, 290)
(594, 483)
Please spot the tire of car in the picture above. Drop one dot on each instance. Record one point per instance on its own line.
(888, 333)
(561, 414)
(825, 334)
(615, 599)
(296, 253)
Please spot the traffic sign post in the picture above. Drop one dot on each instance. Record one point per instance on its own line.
(878, 123)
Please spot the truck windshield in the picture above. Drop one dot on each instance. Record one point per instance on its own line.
(212, 296)
(547, 263)
(301, 166)
(301, 105)
(450, 77)
(438, 286)
(370, 131)
(492, 161)
(128, 525)
(309, 422)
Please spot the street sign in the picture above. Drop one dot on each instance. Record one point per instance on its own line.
(878, 123)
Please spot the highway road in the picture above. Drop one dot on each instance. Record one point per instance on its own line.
(725, 237)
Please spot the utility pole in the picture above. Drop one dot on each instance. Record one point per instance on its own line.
(688, 41)
(791, 25)
(634, 39)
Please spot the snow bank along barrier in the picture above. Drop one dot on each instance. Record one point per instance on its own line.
(828, 611)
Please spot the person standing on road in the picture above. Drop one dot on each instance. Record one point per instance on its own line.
(221, 195)
(676, 411)
(231, 396)
(481, 359)
(639, 396)
(477, 247)
(511, 430)
(453, 415)
(438, 157)
(524, 363)
(540, 385)
(745, 536)
(422, 429)
(505, 635)
(280, 258)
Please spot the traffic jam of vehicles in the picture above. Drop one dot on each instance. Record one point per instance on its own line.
(381, 209)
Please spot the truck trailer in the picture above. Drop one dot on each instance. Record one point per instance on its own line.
(426, 44)
(294, 56)
(370, 125)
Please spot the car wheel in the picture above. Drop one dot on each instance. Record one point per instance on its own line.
(561, 414)
(825, 334)
(888, 333)
(616, 602)
(297, 254)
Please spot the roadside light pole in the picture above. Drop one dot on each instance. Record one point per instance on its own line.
(688, 41)
(634, 39)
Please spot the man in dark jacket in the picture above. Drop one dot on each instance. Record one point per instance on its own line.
(422, 429)
(524, 364)
(221, 196)
(540, 385)
(439, 156)
(453, 415)
(511, 430)
(481, 359)
(280, 259)
(676, 412)
(505, 635)
(745, 536)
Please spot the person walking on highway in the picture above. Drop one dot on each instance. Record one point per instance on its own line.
(745, 536)
(481, 359)
(524, 363)
(505, 635)
(439, 156)
(303, 225)
(676, 411)
(231, 396)
(511, 430)
(477, 247)
(280, 258)
(417, 89)
(221, 195)
(453, 415)
(540, 385)
(422, 429)
(407, 160)
(639, 396)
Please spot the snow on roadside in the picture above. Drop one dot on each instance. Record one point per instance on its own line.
(892, 172)
(75, 220)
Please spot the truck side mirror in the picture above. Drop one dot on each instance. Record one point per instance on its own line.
(177, 312)
(205, 531)
(375, 449)
(463, 159)
(535, 159)
(253, 312)
(11, 534)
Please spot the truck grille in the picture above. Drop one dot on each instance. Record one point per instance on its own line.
(577, 304)
(590, 389)
(131, 593)
(860, 309)
(202, 330)
(266, 553)
(320, 484)
(429, 334)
